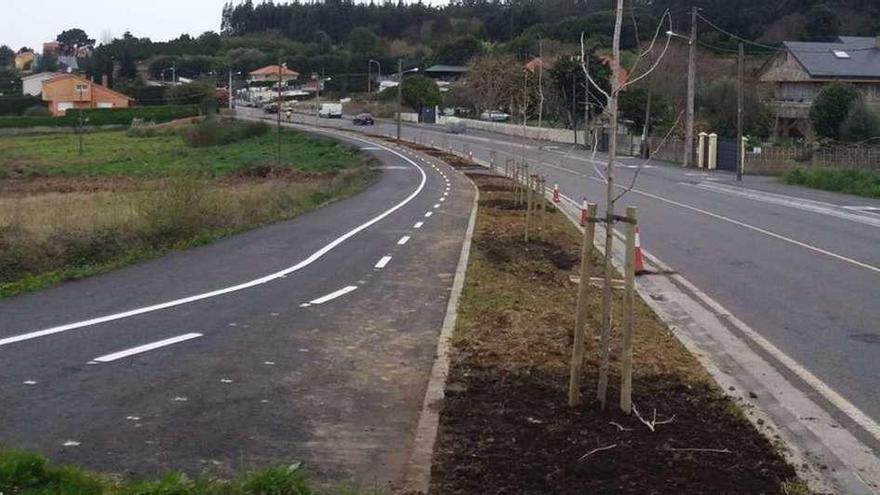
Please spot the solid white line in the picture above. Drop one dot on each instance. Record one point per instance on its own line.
(403, 240)
(761, 231)
(146, 347)
(333, 295)
(383, 262)
(418, 225)
(428, 214)
(246, 285)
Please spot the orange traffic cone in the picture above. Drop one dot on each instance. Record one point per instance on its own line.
(640, 264)
(585, 214)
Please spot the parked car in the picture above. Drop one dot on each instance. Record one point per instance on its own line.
(455, 126)
(271, 108)
(363, 119)
(330, 111)
(495, 116)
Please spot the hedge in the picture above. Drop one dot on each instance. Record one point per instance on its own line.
(105, 116)
(16, 105)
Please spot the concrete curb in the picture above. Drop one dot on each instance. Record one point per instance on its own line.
(417, 474)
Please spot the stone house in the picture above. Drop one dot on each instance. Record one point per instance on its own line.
(795, 76)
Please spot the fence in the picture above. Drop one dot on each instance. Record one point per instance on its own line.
(672, 150)
(540, 133)
(777, 160)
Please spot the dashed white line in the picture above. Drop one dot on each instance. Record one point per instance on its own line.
(437, 206)
(146, 348)
(383, 262)
(428, 214)
(235, 288)
(418, 225)
(442, 199)
(403, 240)
(333, 295)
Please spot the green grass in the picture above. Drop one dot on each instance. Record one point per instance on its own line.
(27, 473)
(121, 154)
(46, 239)
(864, 183)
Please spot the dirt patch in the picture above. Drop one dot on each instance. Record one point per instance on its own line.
(505, 425)
(41, 185)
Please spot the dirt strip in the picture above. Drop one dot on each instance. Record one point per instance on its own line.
(505, 426)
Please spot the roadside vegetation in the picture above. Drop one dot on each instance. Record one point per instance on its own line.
(864, 183)
(135, 195)
(505, 424)
(26, 473)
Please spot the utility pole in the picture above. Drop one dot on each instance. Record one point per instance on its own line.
(399, 94)
(369, 77)
(574, 126)
(691, 89)
(646, 130)
(230, 89)
(280, 67)
(739, 115)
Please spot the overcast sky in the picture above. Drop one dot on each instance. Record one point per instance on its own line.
(32, 22)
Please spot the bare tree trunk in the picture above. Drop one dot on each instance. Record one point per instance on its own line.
(602, 390)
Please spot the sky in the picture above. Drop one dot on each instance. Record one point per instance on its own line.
(29, 23)
(32, 22)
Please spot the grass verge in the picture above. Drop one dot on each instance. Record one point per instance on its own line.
(505, 426)
(27, 473)
(865, 183)
(57, 227)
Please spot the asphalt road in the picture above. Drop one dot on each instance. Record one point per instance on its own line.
(309, 340)
(801, 267)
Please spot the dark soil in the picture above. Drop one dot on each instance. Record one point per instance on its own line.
(505, 426)
(514, 433)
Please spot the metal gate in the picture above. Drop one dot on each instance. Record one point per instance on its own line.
(728, 154)
(429, 115)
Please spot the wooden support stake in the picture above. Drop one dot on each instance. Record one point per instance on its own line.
(580, 326)
(529, 186)
(626, 358)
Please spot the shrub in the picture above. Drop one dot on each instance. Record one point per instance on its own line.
(37, 111)
(859, 182)
(16, 105)
(831, 107)
(105, 116)
(217, 132)
(860, 124)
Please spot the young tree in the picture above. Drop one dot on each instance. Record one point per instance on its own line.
(831, 107)
(496, 81)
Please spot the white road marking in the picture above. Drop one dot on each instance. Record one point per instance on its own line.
(132, 418)
(333, 295)
(30, 382)
(235, 288)
(429, 214)
(371, 148)
(437, 206)
(442, 199)
(403, 240)
(269, 363)
(418, 225)
(180, 399)
(71, 443)
(225, 380)
(759, 230)
(146, 348)
(383, 262)
(809, 205)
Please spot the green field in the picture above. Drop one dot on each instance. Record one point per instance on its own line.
(66, 217)
(118, 154)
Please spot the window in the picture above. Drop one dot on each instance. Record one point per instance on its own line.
(840, 54)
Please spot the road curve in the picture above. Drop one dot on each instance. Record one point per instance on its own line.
(311, 339)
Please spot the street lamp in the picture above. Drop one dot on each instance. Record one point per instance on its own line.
(370, 73)
(319, 81)
(281, 68)
(400, 73)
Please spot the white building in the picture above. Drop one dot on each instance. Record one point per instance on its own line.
(33, 84)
